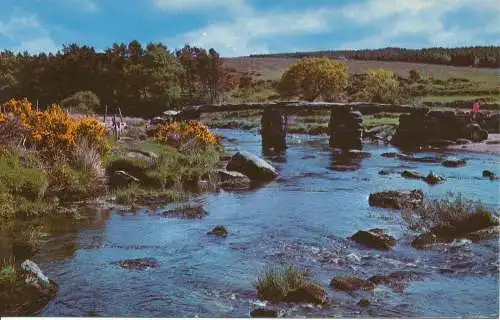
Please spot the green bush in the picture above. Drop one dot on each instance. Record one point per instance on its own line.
(85, 102)
(19, 177)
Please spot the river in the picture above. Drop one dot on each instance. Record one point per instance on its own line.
(303, 219)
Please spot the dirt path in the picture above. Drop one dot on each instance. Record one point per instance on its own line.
(492, 145)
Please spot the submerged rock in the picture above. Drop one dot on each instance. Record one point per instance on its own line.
(412, 174)
(389, 154)
(364, 303)
(489, 174)
(232, 180)
(255, 168)
(264, 313)
(396, 199)
(357, 154)
(454, 162)
(186, 213)
(427, 159)
(384, 172)
(28, 293)
(139, 264)
(351, 284)
(220, 231)
(309, 293)
(397, 280)
(374, 238)
(345, 167)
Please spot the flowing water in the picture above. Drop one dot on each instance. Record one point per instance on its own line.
(303, 219)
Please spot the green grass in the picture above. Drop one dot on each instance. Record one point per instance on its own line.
(457, 215)
(275, 282)
(372, 121)
(8, 272)
(453, 98)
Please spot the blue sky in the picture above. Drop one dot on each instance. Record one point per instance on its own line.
(243, 27)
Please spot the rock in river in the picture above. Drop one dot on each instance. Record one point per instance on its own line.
(29, 291)
(232, 180)
(374, 238)
(264, 313)
(255, 168)
(220, 231)
(412, 174)
(396, 199)
(139, 264)
(398, 280)
(351, 284)
(309, 293)
(454, 162)
(186, 213)
(433, 178)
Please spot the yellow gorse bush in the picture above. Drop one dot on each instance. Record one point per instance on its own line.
(182, 132)
(53, 131)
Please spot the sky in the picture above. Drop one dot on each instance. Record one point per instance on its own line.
(244, 27)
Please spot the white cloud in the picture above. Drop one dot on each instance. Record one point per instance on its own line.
(249, 31)
(183, 5)
(26, 33)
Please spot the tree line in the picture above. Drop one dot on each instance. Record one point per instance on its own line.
(482, 57)
(141, 80)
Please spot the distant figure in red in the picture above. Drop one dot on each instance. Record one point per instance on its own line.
(475, 107)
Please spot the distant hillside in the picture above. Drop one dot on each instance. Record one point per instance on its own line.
(481, 57)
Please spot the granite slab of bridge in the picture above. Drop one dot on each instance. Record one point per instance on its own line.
(345, 127)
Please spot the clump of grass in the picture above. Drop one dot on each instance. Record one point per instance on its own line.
(276, 281)
(135, 194)
(8, 271)
(450, 216)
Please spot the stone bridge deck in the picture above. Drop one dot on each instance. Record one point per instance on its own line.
(290, 106)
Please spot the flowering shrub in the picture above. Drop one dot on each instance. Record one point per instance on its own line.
(178, 133)
(53, 132)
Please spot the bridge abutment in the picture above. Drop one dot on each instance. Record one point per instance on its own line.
(274, 125)
(346, 128)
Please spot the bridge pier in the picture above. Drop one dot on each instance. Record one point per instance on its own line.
(274, 126)
(346, 128)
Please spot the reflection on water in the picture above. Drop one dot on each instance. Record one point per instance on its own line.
(302, 218)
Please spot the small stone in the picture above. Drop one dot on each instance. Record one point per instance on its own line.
(308, 292)
(374, 238)
(220, 231)
(364, 303)
(264, 313)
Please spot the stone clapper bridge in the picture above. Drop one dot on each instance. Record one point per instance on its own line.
(345, 127)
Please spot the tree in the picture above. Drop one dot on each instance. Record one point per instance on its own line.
(82, 101)
(380, 86)
(312, 78)
(415, 75)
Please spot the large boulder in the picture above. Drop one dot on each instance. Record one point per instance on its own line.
(374, 238)
(396, 199)
(28, 293)
(351, 284)
(252, 166)
(232, 180)
(466, 227)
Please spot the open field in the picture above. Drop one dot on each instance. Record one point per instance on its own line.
(272, 68)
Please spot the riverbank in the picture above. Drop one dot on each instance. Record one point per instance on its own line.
(491, 145)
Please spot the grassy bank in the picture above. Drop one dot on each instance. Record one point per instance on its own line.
(49, 160)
